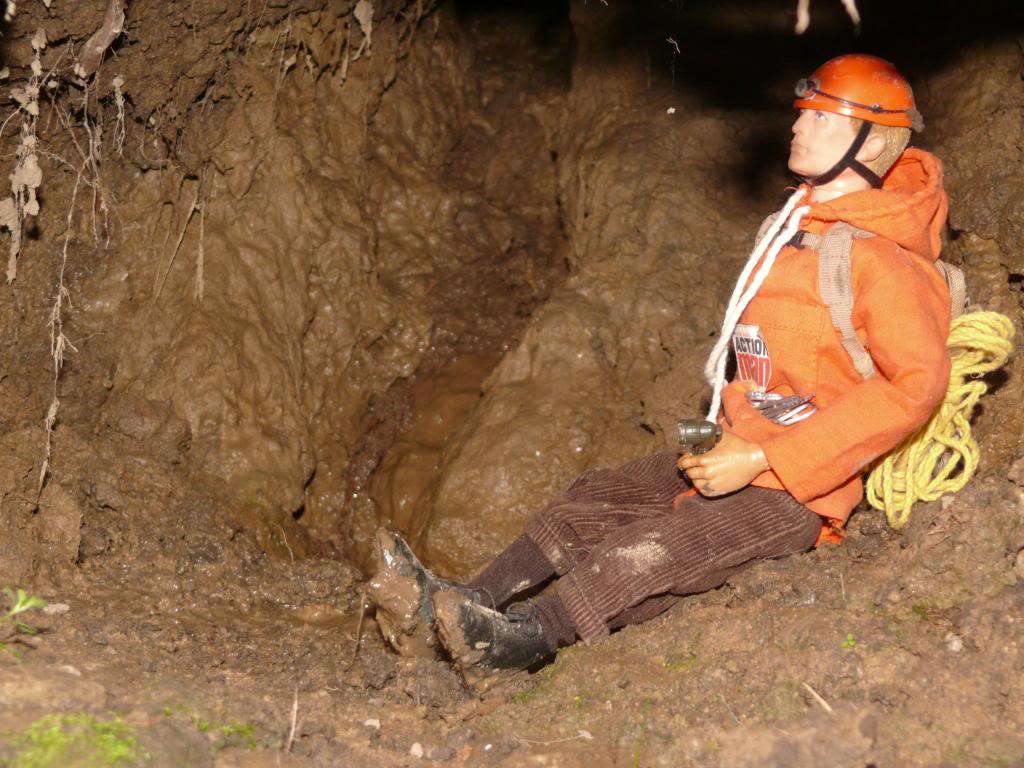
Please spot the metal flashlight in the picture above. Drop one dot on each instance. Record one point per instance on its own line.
(698, 436)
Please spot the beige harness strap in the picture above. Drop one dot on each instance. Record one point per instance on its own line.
(768, 221)
(835, 285)
(957, 284)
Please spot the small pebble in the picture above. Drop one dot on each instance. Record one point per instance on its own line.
(373, 722)
(441, 754)
(416, 750)
(954, 642)
(56, 609)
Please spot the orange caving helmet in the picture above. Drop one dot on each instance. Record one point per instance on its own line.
(862, 86)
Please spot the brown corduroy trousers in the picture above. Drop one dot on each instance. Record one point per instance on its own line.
(623, 554)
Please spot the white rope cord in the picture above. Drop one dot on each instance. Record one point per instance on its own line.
(789, 222)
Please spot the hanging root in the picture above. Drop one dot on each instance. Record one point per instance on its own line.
(118, 84)
(96, 46)
(359, 630)
(201, 255)
(59, 343)
(181, 238)
(27, 175)
(88, 173)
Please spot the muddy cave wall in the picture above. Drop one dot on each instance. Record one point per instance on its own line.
(289, 232)
(280, 236)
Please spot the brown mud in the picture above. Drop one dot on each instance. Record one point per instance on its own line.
(325, 272)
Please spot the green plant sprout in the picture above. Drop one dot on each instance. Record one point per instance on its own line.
(680, 663)
(850, 641)
(54, 741)
(11, 626)
(230, 733)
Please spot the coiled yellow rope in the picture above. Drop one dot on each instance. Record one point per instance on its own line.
(942, 456)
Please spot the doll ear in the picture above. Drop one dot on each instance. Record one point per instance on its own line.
(874, 146)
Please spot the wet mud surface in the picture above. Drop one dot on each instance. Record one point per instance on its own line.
(870, 646)
(422, 274)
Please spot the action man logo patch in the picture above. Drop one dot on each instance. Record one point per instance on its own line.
(753, 362)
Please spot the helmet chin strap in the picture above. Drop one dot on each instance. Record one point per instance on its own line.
(849, 160)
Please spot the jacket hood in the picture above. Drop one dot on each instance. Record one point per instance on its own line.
(909, 209)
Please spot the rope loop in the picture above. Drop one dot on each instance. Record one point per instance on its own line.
(942, 456)
(779, 233)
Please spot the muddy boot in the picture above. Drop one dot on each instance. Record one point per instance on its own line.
(483, 640)
(401, 589)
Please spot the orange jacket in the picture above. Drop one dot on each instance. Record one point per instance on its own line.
(901, 314)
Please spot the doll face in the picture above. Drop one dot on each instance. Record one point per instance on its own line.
(820, 139)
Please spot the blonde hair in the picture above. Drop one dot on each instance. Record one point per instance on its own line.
(896, 140)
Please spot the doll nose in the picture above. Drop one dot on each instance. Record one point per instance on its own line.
(798, 123)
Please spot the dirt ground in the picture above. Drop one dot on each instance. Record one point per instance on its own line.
(332, 265)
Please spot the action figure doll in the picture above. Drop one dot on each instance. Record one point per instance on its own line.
(817, 396)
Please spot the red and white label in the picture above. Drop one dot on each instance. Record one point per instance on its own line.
(753, 362)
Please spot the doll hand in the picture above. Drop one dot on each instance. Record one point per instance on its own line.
(729, 466)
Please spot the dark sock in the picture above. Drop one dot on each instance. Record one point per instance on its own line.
(558, 626)
(518, 568)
